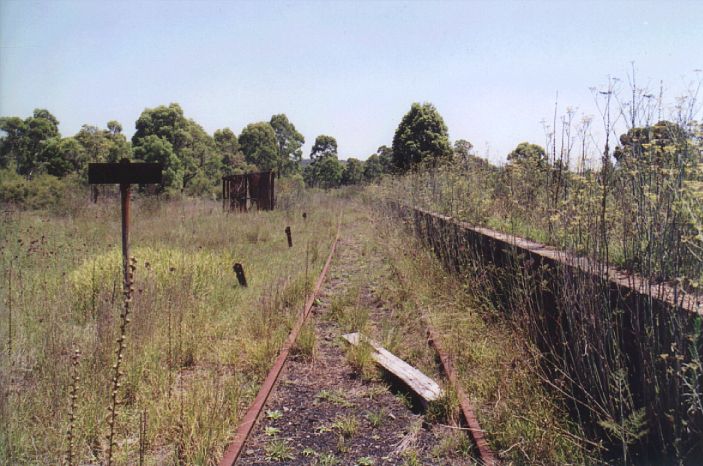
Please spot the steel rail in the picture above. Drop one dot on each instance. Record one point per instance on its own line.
(477, 434)
(247, 424)
(486, 454)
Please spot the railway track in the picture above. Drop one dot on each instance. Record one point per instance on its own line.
(245, 427)
(321, 411)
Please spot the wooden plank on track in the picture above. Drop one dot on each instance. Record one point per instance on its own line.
(418, 382)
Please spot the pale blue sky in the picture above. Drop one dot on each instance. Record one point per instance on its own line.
(350, 70)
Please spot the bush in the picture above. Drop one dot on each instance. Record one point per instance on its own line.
(289, 191)
(201, 186)
(42, 192)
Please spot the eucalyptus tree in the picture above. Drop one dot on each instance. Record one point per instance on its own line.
(229, 151)
(353, 172)
(259, 145)
(25, 140)
(323, 147)
(187, 151)
(421, 137)
(326, 170)
(290, 143)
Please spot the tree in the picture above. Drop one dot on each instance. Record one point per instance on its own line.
(373, 168)
(325, 172)
(526, 172)
(35, 145)
(385, 156)
(167, 123)
(227, 146)
(61, 157)
(323, 147)
(289, 142)
(526, 152)
(258, 143)
(462, 149)
(200, 160)
(24, 140)
(192, 146)
(421, 137)
(659, 144)
(13, 145)
(104, 145)
(44, 114)
(329, 172)
(119, 148)
(154, 149)
(114, 127)
(226, 141)
(95, 143)
(353, 172)
(161, 134)
(310, 175)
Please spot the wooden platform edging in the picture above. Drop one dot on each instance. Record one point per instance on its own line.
(627, 283)
(578, 306)
(247, 424)
(422, 385)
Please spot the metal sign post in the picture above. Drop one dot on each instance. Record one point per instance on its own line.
(125, 174)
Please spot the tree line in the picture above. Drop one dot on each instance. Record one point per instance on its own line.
(194, 161)
(40, 168)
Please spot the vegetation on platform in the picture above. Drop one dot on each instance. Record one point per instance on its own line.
(633, 205)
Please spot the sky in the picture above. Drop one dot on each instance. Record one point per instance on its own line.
(347, 69)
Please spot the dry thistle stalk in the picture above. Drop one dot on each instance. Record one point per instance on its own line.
(114, 401)
(9, 313)
(142, 436)
(72, 403)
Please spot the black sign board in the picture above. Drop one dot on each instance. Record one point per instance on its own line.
(124, 173)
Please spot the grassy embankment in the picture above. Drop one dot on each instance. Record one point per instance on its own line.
(197, 345)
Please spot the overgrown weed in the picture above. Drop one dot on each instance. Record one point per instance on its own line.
(360, 358)
(502, 379)
(199, 344)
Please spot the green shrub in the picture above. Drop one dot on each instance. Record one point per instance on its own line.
(41, 192)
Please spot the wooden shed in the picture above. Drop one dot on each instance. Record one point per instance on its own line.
(248, 191)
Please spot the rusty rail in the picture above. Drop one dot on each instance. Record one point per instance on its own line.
(247, 424)
(485, 452)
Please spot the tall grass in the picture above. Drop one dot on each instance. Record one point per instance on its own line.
(524, 423)
(196, 348)
(632, 370)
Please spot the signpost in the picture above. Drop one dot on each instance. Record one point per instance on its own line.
(125, 174)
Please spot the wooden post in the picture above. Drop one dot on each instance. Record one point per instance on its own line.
(125, 174)
(125, 193)
(239, 271)
(290, 237)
